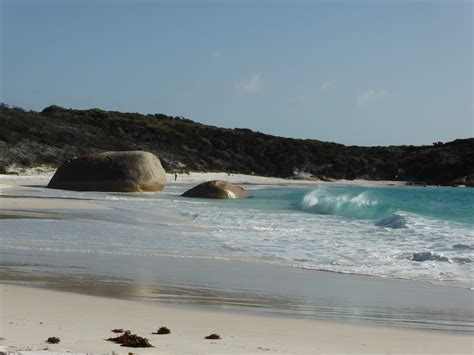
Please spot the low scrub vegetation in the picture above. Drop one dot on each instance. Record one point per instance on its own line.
(57, 134)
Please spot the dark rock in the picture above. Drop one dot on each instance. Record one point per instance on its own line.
(216, 189)
(213, 336)
(469, 180)
(129, 171)
(325, 178)
(53, 340)
(460, 181)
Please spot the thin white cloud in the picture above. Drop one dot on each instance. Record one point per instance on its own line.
(370, 96)
(327, 86)
(251, 85)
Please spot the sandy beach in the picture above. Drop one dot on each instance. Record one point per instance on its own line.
(202, 177)
(275, 318)
(29, 316)
(41, 176)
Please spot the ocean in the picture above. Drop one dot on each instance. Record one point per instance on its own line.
(392, 232)
(397, 232)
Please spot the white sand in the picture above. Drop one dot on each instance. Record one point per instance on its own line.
(262, 180)
(233, 178)
(41, 176)
(38, 176)
(29, 316)
(27, 178)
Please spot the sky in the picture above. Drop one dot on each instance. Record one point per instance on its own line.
(353, 72)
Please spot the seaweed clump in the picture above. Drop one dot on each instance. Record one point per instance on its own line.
(162, 331)
(131, 340)
(213, 336)
(53, 340)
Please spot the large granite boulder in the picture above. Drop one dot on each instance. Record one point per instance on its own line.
(111, 171)
(216, 189)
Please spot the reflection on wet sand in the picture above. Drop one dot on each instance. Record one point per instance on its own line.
(78, 280)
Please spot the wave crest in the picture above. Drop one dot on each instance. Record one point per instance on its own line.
(321, 201)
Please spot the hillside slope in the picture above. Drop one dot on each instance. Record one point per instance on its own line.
(57, 134)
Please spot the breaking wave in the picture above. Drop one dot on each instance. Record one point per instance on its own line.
(359, 205)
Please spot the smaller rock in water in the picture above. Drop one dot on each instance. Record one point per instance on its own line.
(463, 247)
(429, 255)
(395, 221)
(217, 189)
(117, 330)
(213, 336)
(53, 340)
(461, 260)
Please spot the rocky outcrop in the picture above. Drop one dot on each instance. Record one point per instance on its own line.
(460, 181)
(216, 189)
(469, 182)
(129, 171)
(325, 178)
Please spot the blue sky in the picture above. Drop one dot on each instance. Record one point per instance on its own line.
(353, 72)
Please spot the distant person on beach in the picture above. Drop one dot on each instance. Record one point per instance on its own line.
(175, 176)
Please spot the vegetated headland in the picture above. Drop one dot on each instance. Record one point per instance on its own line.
(56, 134)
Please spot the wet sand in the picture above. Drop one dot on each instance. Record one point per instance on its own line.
(249, 287)
(21, 203)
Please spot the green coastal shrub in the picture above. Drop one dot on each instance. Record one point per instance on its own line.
(56, 134)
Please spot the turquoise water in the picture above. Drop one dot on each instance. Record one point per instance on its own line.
(396, 232)
(358, 202)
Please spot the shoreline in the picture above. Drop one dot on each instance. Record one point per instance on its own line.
(83, 322)
(41, 176)
(256, 307)
(253, 287)
(45, 173)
